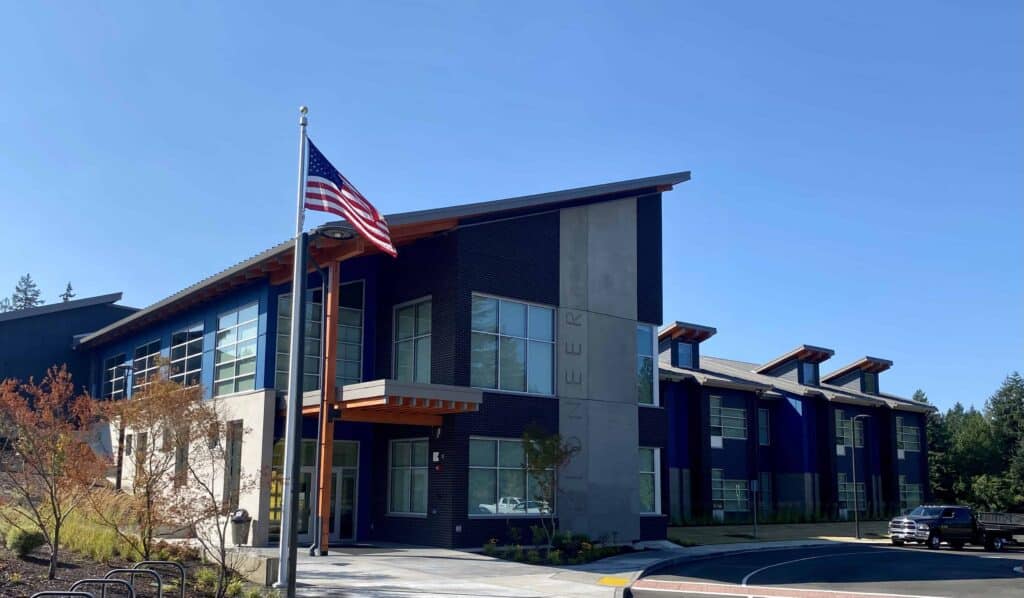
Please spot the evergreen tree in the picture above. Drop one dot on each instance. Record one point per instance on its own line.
(68, 294)
(26, 294)
(5, 305)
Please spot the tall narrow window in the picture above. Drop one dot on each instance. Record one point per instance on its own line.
(809, 373)
(313, 334)
(349, 362)
(870, 382)
(113, 377)
(765, 483)
(232, 464)
(413, 325)
(650, 481)
(910, 494)
(715, 416)
(408, 488)
(145, 364)
(764, 432)
(235, 359)
(512, 346)
(685, 355)
(645, 374)
(187, 355)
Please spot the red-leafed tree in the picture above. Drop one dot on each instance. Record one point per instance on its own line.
(48, 466)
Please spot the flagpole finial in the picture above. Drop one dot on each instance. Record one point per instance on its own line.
(303, 111)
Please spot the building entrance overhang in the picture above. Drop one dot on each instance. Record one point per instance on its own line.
(408, 403)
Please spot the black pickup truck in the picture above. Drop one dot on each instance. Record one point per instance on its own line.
(956, 526)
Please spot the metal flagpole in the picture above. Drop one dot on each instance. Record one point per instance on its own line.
(293, 423)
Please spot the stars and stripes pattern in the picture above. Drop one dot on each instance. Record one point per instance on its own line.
(327, 190)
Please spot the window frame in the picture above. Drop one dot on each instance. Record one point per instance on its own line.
(655, 398)
(497, 468)
(234, 378)
(724, 414)
(143, 377)
(902, 435)
(110, 377)
(764, 424)
(766, 497)
(410, 468)
(528, 339)
(338, 361)
(909, 490)
(283, 353)
(657, 480)
(723, 482)
(872, 387)
(845, 494)
(185, 372)
(412, 339)
(814, 371)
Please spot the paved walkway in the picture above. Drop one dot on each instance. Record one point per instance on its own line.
(402, 572)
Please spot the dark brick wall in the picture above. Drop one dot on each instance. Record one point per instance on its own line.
(648, 255)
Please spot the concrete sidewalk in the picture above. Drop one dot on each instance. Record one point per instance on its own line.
(438, 573)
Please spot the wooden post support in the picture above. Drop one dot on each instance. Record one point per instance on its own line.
(327, 400)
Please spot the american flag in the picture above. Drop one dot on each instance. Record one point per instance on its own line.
(327, 190)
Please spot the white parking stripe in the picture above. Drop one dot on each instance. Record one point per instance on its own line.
(806, 558)
(722, 589)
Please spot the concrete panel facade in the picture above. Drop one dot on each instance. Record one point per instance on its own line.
(596, 381)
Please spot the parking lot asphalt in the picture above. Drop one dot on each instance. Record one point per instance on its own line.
(843, 570)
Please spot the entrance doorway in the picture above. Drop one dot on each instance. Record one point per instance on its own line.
(341, 523)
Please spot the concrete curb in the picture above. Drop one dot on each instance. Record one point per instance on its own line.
(684, 558)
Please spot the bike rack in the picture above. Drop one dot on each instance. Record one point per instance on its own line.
(131, 577)
(153, 564)
(65, 593)
(97, 581)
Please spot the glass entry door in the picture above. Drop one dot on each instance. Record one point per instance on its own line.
(341, 523)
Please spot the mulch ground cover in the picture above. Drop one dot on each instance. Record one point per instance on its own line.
(24, 577)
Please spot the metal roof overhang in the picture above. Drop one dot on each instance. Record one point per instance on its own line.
(387, 401)
(405, 228)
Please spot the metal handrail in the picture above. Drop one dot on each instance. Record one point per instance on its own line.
(131, 577)
(65, 593)
(178, 566)
(96, 581)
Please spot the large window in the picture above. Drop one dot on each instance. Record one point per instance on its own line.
(187, 355)
(732, 496)
(846, 496)
(498, 480)
(849, 431)
(910, 494)
(650, 480)
(727, 422)
(764, 431)
(408, 489)
(145, 364)
(113, 376)
(513, 346)
(413, 325)
(646, 377)
(349, 361)
(313, 335)
(235, 360)
(908, 437)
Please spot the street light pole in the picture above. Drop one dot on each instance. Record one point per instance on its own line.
(856, 495)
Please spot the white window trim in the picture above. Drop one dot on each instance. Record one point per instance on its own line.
(110, 375)
(139, 373)
(554, 347)
(722, 418)
(413, 338)
(657, 483)
(184, 360)
(655, 388)
(362, 329)
(256, 358)
(285, 351)
(499, 468)
(391, 453)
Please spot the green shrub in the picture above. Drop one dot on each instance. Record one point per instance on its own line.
(234, 587)
(205, 579)
(21, 542)
(538, 535)
(533, 556)
(253, 593)
(555, 557)
(491, 547)
(84, 535)
(517, 554)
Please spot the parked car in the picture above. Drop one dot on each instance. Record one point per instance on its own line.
(932, 525)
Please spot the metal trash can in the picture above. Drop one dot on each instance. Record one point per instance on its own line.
(240, 524)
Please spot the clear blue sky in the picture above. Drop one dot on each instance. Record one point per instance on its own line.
(858, 168)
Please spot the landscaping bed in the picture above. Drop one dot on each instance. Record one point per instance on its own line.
(566, 548)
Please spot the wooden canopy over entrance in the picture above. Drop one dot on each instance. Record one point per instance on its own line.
(408, 403)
